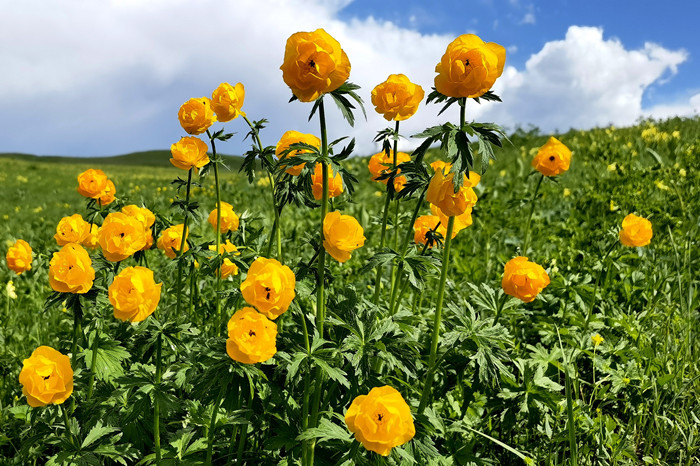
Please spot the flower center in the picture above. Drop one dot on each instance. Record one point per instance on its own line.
(268, 292)
(251, 333)
(380, 417)
(551, 158)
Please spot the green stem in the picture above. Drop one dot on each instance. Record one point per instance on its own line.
(183, 241)
(395, 226)
(212, 424)
(380, 269)
(307, 383)
(218, 223)
(95, 344)
(234, 431)
(597, 283)
(66, 420)
(156, 403)
(409, 230)
(438, 318)
(76, 331)
(529, 217)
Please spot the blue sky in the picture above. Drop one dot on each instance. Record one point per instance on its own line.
(106, 77)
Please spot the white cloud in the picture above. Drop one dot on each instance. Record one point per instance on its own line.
(529, 18)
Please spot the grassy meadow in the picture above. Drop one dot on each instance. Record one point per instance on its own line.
(502, 395)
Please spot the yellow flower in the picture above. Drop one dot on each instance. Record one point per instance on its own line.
(612, 167)
(19, 257)
(636, 231)
(461, 222)
(46, 377)
(170, 240)
(107, 196)
(422, 226)
(381, 163)
(342, 234)
(440, 165)
(229, 219)
(314, 63)
(10, 290)
(134, 294)
(294, 137)
(120, 236)
(469, 67)
(196, 115)
(597, 339)
(442, 194)
(552, 158)
(380, 420)
(269, 286)
(70, 270)
(661, 185)
(146, 217)
(90, 240)
(524, 279)
(251, 337)
(228, 268)
(72, 229)
(567, 192)
(397, 98)
(189, 152)
(92, 183)
(227, 101)
(335, 183)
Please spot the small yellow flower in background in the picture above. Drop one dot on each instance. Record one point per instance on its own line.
(567, 192)
(442, 194)
(46, 377)
(502, 173)
(626, 380)
(397, 98)
(553, 158)
(227, 101)
(612, 167)
(422, 226)
(676, 134)
(295, 137)
(72, 229)
(10, 290)
(19, 257)
(196, 115)
(92, 183)
(597, 339)
(342, 234)
(170, 240)
(461, 222)
(70, 270)
(335, 183)
(36, 210)
(661, 185)
(613, 206)
(189, 152)
(120, 236)
(269, 286)
(252, 337)
(636, 231)
(134, 294)
(469, 67)
(524, 279)
(381, 163)
(314, 63)
(682, 172)
(263, 182)
(229, 219)
(228, 268)
(22, 179)
(380, 420)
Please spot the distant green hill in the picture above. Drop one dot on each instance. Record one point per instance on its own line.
(151, 158)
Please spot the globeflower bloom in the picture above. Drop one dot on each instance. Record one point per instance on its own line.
(19, 257)
(381, 163)
(170, 240)
(380, 420)
(92, 183)
(70, 270)
(342, 234)
(553, 158)
(469, 67)
(251, 337)
(134, 294)
(229, 219)
(227, 101)
(314, 63)
(120, 236)
(146, 217)
(196, 115)
(335, 183)
(524, 279)
(228, 268)
(294, 137)
(108, 195)
(636, 231)
(422, 226)
(46, 377)
(397, 98)
(269, 286)
(441, 193)
(189, 152)
(72, 229)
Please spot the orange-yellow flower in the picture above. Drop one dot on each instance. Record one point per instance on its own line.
(461, 222)
(146, 217)
(294, 137)
(227, 101)
(441, 192)
(553, 158)
(380, 420)
(381, 163)
(269, 286)
(120, 236)
(92, 183)
(314, 63)
(397, 98)
(19, 257)
(342, 234)
(189, 152)
(335, 183)
(108, 195)
(170, 240)
(422, 226)
(252, 337)
(72, 229)
(228, 267)
(134, 294)
(196, 115)
(636, 231)
(46, 377)
(524, 279)
(70, 270)
(469, 67)
(440, 165)
(229, 219)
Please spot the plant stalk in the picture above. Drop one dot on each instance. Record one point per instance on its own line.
(529, 217)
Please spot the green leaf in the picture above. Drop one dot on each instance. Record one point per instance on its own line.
(326, 430)
(96, 433)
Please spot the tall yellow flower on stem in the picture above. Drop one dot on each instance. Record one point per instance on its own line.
(441, 193)
(229, 219)
(196, 115)
(19, 257)
(72, 229)
(251, 337)
(636, 231)
(342, 234)
(397, 98)
(524, 279)
(189, 152)
(46, 377)
(70, 270)
(269, 286)
(92, 183)
(134, 294)
(170, 240)
(553, 158)
(295, 137)
(227, 101)
(335, 183)
(120, 236)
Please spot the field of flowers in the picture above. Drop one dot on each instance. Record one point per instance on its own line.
(318, 308)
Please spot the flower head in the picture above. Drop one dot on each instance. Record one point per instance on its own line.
(70, 270)
(294, 137)
(92, 183)
(108, 195)
(46, 377)
(229, 219)
(269, 286)
(228, 268)
(19, 257)
(227, 101)
(597, 339)
(397, 98)
(380, 420)
(381, 163)
(442, 194)
(524, 279)
(335, 182)
(146, 217)
(636, 231)
(342, 234)
(314, 63)
(196, 115)
(422, 226)
(120, 236)
(134, 294)
(189, 152)
(251, 337)
(553, 158)
(72, 229)
(170, 240)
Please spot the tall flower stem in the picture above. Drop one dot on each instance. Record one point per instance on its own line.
(425, 396)
(66, 420)
(183, 241)
(603, 268)
(156, 403)
(212, 424)
(307, 384)
(95, 345)
(218, 224)
(529, 217)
